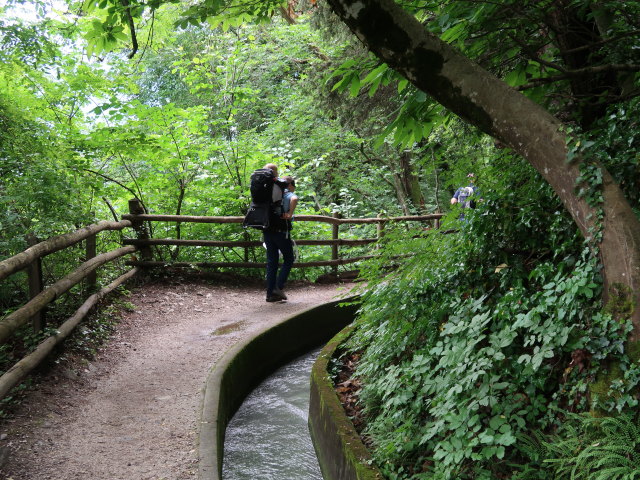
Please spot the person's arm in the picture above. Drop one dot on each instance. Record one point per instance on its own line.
(454, 199)
(292, 207)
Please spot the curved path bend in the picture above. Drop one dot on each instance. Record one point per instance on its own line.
(131, 414)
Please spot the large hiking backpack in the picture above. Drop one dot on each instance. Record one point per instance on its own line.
(266, 201)
(261, 185)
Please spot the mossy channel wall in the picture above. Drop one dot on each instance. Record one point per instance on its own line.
(341, 454)
(245, 365)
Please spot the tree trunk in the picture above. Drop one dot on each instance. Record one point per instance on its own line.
(401, 195)
(183, 187)
(483, 100)
(571, 31)
(411, 182)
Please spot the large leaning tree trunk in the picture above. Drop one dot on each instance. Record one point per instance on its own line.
(483, 100)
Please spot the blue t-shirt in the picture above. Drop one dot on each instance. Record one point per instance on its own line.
(286, 201)
(465, 195)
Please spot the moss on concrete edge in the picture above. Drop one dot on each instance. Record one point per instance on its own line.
(245, 365)
(341, 454)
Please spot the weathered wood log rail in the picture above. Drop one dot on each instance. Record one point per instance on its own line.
(137, 220)
(53, 244)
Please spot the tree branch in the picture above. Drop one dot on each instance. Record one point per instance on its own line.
(106, 177)
(132, 28)
(113, 211)
(615, 67)
(601, 42)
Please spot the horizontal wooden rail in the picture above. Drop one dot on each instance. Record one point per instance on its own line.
(298, 218)
(343, 221)
(181, 218)
(242, 243)
(16, 319)
(21, 369)
(319, 263)
(53, 244)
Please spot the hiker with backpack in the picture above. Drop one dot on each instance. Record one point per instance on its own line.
(277, 239)
(272, 205)
(466, 196)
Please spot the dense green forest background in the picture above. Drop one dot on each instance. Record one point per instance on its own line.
(487, 353)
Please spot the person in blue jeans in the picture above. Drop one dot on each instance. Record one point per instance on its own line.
(277, 239)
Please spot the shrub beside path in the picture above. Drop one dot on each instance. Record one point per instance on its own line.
(132, 412)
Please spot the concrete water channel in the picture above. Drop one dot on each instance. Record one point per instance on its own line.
(268, 437)
(340, 453)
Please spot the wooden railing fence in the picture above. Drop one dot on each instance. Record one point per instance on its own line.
(335, 242)
(30, 261)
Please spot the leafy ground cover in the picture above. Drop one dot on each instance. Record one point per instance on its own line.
(472, 347)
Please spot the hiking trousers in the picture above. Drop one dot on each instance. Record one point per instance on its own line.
(278, 242)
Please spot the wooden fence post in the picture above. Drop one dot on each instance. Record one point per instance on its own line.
(90, 252)
(36, 285)
(90, 247)
(246, 238)
(335, 235)
(136, 208)
(380, 229)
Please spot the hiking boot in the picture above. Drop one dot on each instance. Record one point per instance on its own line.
(279, 292)
(274, 297)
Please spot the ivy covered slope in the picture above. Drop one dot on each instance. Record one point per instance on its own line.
(481, 348)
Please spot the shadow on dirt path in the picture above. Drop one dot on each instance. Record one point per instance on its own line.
(131, 413)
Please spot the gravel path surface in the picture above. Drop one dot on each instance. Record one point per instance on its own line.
(131, 414)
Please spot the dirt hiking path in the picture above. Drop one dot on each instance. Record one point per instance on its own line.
(131, 414)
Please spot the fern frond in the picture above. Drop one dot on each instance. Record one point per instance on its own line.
(595, 449)
(616, 473)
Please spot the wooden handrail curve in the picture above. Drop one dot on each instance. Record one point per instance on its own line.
(20, 316)
(317, 263)
(13, 264)
(22, 368)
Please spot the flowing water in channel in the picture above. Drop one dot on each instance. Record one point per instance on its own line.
(268, 437)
